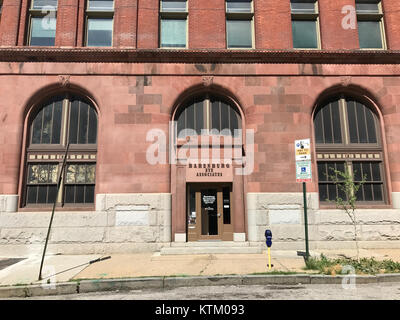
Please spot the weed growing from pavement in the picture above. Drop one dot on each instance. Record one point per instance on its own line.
(366, 266)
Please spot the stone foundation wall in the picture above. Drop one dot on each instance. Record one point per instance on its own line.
(327, 229)
(121, 223)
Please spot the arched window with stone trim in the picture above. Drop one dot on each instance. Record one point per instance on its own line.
(208, 114)
(60, 120)
(347, 134)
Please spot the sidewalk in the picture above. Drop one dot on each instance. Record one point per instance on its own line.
(155, 265)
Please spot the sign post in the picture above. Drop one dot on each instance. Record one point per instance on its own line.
(303, 175)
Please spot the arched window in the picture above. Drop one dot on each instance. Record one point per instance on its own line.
(61, 120)
(347, 134)
(208, 114)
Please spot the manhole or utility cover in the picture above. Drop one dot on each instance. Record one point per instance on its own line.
(4, 263)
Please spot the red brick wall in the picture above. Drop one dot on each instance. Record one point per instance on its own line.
(278, 108)
(67, 23)
(272, 24)
(9, 22)
(148, 24)
(207, 24)
(333, 35)
(392, 24)
(136, 24)
(125, 16)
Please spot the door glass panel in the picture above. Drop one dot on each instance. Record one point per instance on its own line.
(209, 210)
(192, 214)
(226, 196)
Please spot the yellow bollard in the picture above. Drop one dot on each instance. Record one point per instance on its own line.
(269, 258)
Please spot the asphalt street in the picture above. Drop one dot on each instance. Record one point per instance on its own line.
(382, 291)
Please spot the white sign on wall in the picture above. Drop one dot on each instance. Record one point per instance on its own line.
(303, 149)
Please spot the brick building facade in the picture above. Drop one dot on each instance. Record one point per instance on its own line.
(116, 73)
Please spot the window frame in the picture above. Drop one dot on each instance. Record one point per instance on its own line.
(207, 113)
(241, 16)
(173, 15)
(373, 17)
(54, 153)
(351, 153)
(303, 16)
(38, 13)
(98, 14)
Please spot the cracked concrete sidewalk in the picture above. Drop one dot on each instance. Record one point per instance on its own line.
(154, 264)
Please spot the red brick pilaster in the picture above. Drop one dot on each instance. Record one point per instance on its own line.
(67, 22)
(337, 31)
(9, 25)
(272, 24)
(125, 22)
(392, 25)
(207, 24)
(148, 20)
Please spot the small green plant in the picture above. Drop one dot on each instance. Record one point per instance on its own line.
(361, 266)
(348, 188)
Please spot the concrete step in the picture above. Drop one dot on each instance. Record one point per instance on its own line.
(210, 244)
(214, 247)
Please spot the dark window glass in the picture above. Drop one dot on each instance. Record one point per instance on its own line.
(57, 114)
(367, 7)
(323, 192)
(224, 117)
(173, 33)
(216, 115)
(234, 121)
(99, 32)
(376, 171)
(199, 116)
(92, 132)
(337, 134)
(239, 33)
(89, 194)
(69, 194)
(242, 6)
(173, 5)
(378, 194)
(83, 123)
(319, 133)
(351, 111)
(43, 31)
(304, 34)
(190, 117)
(74, 122)
(32, 194)
(302, 6)
(370, 126)
(46, 127)
(101, 5)
(37, 128)
(327, 124)
(362, 127)
(369, 34)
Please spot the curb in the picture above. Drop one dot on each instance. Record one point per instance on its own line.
(89, 286)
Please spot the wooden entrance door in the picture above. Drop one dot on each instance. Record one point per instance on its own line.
(209, 212)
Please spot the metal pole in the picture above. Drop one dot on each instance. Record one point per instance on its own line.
(52, 213)
(305, 219)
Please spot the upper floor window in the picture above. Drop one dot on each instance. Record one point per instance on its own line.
(99, 23)
(239, 24)
(208, 114)
(305, 24)
(371, 31)
(42, 23)
(173, 24)
(347, 135)
(61, 120)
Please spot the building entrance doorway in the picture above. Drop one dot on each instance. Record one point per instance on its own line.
(209, 211)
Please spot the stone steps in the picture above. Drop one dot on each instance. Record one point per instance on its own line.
(210, 247)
